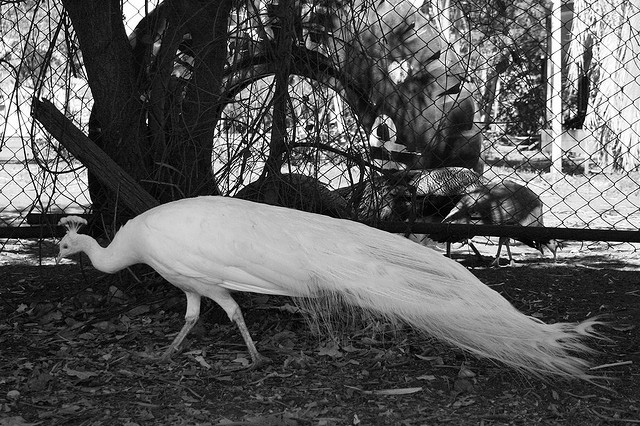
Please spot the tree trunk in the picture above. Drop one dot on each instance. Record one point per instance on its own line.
(172, 154)
(117, 112)
(186, 159)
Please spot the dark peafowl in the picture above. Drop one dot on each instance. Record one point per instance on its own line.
(503, 202)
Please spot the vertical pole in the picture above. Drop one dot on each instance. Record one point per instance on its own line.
(555, 86)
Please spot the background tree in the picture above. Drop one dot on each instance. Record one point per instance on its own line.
(504, 45)
(161, 138)
(605, 47)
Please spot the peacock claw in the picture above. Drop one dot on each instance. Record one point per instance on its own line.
(162, 359)
(257, 363)
(167, 355)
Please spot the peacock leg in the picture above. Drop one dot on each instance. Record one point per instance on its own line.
(190, 317)
(232, 309)
(258, 359)
(501, 241)
(506, 244)
(553, 247)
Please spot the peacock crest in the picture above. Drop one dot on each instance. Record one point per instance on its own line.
(72, 223)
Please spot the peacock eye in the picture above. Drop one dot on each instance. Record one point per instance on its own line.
(65, 246)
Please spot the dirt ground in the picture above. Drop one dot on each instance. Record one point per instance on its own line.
(77, 347)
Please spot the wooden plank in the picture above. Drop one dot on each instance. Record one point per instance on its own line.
(536, 233)
(88, 153)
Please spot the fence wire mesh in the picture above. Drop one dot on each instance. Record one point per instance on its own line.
(348, 108)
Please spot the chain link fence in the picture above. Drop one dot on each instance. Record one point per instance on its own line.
(36, 59)
(346, 108)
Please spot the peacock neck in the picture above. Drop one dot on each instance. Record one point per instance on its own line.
(109, 259)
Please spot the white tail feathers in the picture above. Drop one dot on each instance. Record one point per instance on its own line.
(312, 256)
(452, 305)
(475, 323)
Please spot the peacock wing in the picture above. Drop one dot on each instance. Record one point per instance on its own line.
(225, 242)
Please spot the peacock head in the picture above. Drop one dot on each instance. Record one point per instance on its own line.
(70, 244)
